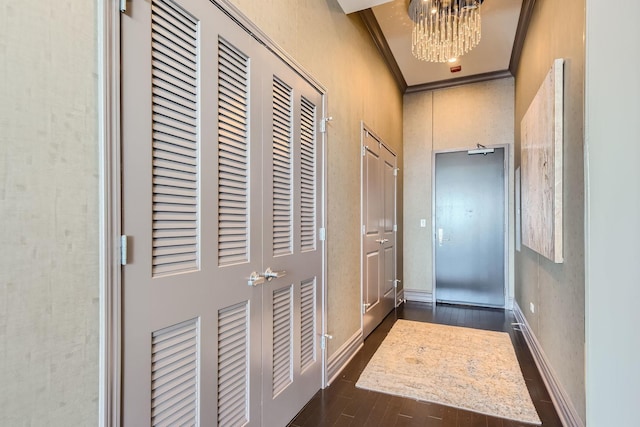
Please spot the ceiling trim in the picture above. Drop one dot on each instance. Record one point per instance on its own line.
(370, 21)
(521, 32)
(476, 78)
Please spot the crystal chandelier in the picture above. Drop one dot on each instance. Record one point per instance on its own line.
(444, 29)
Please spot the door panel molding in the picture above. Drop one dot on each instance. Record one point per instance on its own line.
(378, 261)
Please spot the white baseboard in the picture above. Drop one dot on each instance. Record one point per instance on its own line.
(566, 411)
(418, 295)
(343, 356)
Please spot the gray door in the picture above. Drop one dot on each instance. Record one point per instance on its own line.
(292, 365)
(379, 232)
(470, 228)
(209, 195)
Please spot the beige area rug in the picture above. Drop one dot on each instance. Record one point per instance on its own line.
(465, 368)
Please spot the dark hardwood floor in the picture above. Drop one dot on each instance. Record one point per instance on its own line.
(342, 404)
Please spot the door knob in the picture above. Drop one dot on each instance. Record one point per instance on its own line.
(382, 241)
(270, 274)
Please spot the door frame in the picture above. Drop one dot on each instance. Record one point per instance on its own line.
(508, 165)
(365, 128)
(110, 196)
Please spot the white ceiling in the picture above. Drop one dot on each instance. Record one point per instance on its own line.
(349, 6)
(493, 53)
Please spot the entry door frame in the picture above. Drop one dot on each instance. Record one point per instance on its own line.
(110, 196)
(508, 162)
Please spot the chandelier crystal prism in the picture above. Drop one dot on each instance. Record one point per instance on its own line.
(444, 29)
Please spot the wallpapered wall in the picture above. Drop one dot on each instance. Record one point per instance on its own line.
(456, 118)
(557, 290)
(48, 214)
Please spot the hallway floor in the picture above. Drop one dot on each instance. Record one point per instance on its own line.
(342, 404)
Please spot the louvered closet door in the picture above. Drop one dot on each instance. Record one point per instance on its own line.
(192, 207)
(292, 165)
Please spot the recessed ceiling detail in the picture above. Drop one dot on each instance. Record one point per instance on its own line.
(489, 59)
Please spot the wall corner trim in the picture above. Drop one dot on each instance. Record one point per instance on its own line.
(341, 358)
(110, 345)
(418, 295)
(566, 411)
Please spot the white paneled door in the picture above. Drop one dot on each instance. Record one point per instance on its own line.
(379, 175)
(221, 199)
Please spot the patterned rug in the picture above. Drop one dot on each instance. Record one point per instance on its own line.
(465, 368)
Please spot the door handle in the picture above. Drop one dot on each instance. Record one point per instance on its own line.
(382, 241)
(270, 274)
(255, 279)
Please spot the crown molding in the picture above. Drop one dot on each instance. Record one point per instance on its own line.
(370, 21)
(521, 32)
(476, 78)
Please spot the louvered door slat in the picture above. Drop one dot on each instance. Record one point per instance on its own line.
(169, 107)
(172, 146)
(173, 83)
(174, 36)
(308, 176)
(175, 167)
(308, 323)
(282, 121)
(233, 359)
(233, 191)
(282, 339)
(174, 373)
(175, 14)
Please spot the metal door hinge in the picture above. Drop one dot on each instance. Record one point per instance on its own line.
(364, 150)
(123, 6)
(395, 227)
(123, 249)
(395, 171)
(364, 230)
(323, 124)
(322, 234)
(365, 305)
(395, 283)
(323, 340)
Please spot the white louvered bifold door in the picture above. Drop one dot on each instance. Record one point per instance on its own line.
(292, 174)
(221, 179)
(192, 161)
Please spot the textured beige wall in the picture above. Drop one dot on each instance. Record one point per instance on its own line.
(48, 214)
(337, 50)
(557, 31)
(447, 119)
